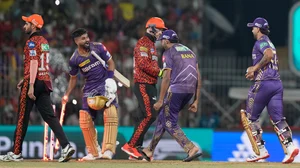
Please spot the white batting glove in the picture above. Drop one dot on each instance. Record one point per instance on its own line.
(110, 90)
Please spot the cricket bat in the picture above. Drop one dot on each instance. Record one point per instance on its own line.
(118, 76)
(246, 125)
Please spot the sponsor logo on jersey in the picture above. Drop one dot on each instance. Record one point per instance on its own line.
(45, 47)
(31, 44)
(263, 44)
(32, 53)
(108, 54)
(84, 63)
(152, 50)
(144, 54)
(182, 48)
(154, 57)
(144, 49)
(86, 69)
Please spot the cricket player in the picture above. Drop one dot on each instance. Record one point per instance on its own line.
(99, 93)
(180, 84)
(146, 71)
(35, 89)
(267, 91)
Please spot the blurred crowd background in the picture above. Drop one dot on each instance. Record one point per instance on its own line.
(215, 30)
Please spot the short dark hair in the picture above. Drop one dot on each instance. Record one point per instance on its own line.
(265, 30)
(78, 32)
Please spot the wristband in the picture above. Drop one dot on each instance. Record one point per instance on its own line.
(110, 74)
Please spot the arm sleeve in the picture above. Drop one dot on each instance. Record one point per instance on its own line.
(168, 62)
(262, 46)
(73, 67)
(103, 52)
(144, 62)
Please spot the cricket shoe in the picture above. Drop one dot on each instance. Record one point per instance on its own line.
(135, 159)
(90, 156)
(131, 151)
(145, 156)
(11, 157)
(66, 153)
(132, 158)
(108, 155)
(292, 152)
(192, 154)
(263, 155)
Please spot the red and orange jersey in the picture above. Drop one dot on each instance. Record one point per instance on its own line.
(145, 61)
(37, 48)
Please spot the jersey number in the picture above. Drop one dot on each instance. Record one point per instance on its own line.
(42, 67)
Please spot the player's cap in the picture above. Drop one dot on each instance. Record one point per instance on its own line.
(260, 23)
(35, 19)
(169, 35)
(156, 22)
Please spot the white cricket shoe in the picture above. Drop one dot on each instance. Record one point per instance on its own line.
(89, 156)
(11, 157)
(263, 155)
(108, 155)
(292, 152)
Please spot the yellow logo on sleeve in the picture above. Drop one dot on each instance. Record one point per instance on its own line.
(84, 63)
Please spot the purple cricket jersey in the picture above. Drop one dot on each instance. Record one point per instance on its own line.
(270, 71)
(183, 63)
(91, 68)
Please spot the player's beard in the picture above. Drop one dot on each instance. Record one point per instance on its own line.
(86, 45)
(164, 45)
(28, 31)
(255, 35)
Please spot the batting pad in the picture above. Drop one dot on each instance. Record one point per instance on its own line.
(110, 129)
(283, 132)
(89, 133)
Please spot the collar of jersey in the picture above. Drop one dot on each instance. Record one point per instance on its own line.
(34, 34)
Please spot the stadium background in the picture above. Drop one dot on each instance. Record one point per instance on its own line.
(223, 47)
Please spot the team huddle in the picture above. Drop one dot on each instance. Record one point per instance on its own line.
(180, 87)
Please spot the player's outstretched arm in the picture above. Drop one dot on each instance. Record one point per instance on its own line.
(71, 86)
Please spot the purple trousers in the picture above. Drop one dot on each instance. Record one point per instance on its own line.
(167, 120)
(265, 94)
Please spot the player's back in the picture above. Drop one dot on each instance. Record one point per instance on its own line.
(37, 48)
(183, 63)
(269, 71)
